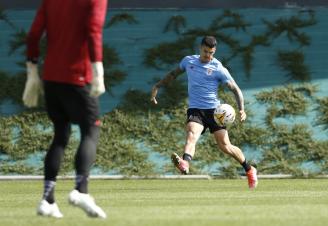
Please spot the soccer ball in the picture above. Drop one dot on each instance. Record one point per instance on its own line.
(224, 114)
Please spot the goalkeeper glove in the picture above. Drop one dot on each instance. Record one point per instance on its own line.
(97, 83)
(32, 86)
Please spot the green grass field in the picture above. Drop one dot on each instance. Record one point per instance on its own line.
(176, 203)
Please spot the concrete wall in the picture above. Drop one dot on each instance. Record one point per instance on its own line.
(131, 40)
(31, 4)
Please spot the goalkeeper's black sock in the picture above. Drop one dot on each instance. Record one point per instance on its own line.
(246, 166)
(85, 155)
(49, 190)
(187, 157)
(81, 183)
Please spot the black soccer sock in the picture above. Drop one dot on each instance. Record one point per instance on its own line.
(55, 153)
(53, 159)
(81, 183)
(246, 166)
(85, 156)
(187, 157)
(49, 190)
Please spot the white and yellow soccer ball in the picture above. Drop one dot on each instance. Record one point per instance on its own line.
(224, 114)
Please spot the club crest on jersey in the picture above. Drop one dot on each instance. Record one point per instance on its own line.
(209, 71)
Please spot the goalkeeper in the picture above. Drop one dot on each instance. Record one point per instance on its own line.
(205, 73)
(72, 80)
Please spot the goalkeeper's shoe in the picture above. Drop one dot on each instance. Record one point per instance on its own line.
(182, 165)
(86, 203)
(48, 210)
(252, 177)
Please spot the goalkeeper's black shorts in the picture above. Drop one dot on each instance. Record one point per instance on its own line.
(71, 103)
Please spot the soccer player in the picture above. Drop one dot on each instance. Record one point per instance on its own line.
(205, 73)
(73, 78)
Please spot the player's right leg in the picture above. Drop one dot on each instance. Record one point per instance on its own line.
(87, 203)
(180, 164)
(84, 110)
(84, 159)
(193, 130)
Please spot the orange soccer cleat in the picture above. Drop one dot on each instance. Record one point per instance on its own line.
(182, 165)
(252, 177)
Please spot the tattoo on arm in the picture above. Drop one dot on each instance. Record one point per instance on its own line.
(169, 77)
(238, 94)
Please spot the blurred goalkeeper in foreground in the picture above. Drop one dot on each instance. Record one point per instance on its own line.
(205, 73)
(72, 81)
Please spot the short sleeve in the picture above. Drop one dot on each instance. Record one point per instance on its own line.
(225, 75)
(183, 64)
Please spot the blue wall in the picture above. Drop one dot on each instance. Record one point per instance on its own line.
(131, 40)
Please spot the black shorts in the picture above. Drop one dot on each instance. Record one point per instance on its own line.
(71, 103)
(204, 117)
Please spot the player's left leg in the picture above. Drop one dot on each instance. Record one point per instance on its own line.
(222, 138)
(53, 93)
(49, 209)
(47, 206)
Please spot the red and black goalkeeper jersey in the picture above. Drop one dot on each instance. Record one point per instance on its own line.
(73, 30)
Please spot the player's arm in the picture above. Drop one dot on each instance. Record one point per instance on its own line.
(32, 87)
(35, 34)
(96, 20)
(166, 80)
(232, 85)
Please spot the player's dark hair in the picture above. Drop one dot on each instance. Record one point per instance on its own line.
(209, 41)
